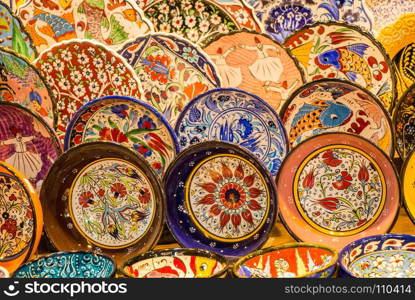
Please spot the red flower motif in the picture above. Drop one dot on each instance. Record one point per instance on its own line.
(114, 135)
(363, 174)
(330, 159)
(329, 203)
(86, 198)
(343, 181)
(29, 214)
(145, 196)
(378, 68)
(101, 193)
(308, 181)
(156, 166)
(119, 190)
(159, 68)
(10, 225)
(13, 197)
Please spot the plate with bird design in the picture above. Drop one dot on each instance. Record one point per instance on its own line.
(333, 105)
(337, 187)
(339, 50)
(109, 199)
(220, 199)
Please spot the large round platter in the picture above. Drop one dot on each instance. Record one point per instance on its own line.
(338, 50)
(337, 187)
(255, 63)
(220, 198)
(331, 105)
(109, 199)
(408, 184)
(129, 122)
(235, 116)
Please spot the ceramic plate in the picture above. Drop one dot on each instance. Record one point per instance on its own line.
(27, 142)
(79, 71)
(331, 105)
(199, 20)
(255, 63)
(237, 117)
(220, 198)
(109, 199)
(408, 184)
(338, 50)
(129, 122)
(288, 261)
(335, 188)
(176, 263)
(172, 71)
(111, 22)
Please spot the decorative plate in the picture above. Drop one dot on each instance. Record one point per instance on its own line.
(176, 263)
(408, 184)
(255, 63)
(172, 71)
(199, 20)
(21, 218)
(27, 142)
(109, 199)
(129, 122)
(111, 22)
(220, 198)
(68, 265)
(336, 187)
(236, 117)
(288, 261)
(338, 50)
(79, 71)
(385, 256)
(331, 105)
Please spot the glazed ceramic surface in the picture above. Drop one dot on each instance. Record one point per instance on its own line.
(408, 185)
(404, 122)
(172, 71)
(111, 22)
(68, 265)
(129, 122)
(255, 63)
(340, 187)
(79, 71)
(336, 50)
(235, 116)
(220, 199)
(336, 106)
(4, 273)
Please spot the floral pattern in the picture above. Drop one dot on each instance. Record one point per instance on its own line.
(405, 124)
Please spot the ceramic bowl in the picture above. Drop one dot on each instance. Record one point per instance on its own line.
(68, 265)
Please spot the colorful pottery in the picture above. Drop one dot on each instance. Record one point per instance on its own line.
(176, 263)
(288, 261)
(237, 117)
(79, 71)
(256, 63)
(27, 142)
(172, 71)
(220, 198)
(331, 105)
(68, 265)
(336, 187)
(111, 22)
(385, 256)
(109, 199)
(408, 185)
(337, 50)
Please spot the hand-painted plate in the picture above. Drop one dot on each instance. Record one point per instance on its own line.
(27, 142)
(331, 105)
(220, 198)
(106, 21)
(129, 122)
(79, 71)
(108, 199)
(255, 63)
(339, 50)
(236, 117)
(199, 20)
(335, 188)
(172, 71)
(408, 184)
(21, 219)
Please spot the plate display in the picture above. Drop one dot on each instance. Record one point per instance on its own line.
(235, 116)
(341, 187)
(219, 199)
(112, 22)
(172, 71)
(27, 142)
(331, 105)
(255, 63)
(78, 71)
(109, 200)
(129, 122)
(339, 50)
(404, 122)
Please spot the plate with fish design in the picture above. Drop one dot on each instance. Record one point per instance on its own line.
(340, 187)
